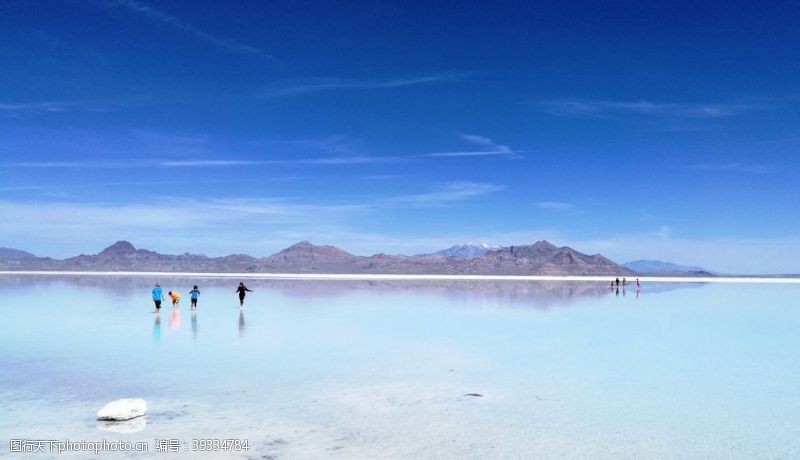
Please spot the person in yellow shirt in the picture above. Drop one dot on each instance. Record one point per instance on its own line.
(175, 296)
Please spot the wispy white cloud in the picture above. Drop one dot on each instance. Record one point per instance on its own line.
(21, 108)
(488, 147)
(207, 163)
(752, 168)
(447, 193)
(199, 163)
(338, 143)
(202, 163)
(558, 206)
(296, 87)
(663, 232)
(44, 106)
(594, 107)
(159, 17)
(75, 164)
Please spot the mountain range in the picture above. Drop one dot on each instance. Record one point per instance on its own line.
(660, 268)
(540, 258)
(466, 250)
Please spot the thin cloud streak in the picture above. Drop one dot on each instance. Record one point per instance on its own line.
(201, 163)
(733, 167)
(296, 87)
(54, 107)
(159, 17)
(557, 205)
(592, 107)
(448, 193)
(515, 154)
(297, 162)
(491, 148)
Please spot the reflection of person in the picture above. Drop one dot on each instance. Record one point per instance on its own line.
(157, 327)
(175, 319)
(242, 290)
(157, 296)
(241, 323)
(175, 297)
(194, 293)
(194, 324)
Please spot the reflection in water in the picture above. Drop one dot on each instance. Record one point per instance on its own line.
(520, 294)
(126, 426)
(175, 319)
(194, 324)
(241, 322)
(157, 327)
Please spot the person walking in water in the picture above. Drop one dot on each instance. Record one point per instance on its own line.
(158, 296)
(194, 293)
(175, 298)
(617, 282)
(637, 283)
(624, 282)
(242, 289)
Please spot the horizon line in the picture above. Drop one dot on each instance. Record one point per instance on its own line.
(788, 279)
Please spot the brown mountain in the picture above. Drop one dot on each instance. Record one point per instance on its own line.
(541, 258)
(306, 257)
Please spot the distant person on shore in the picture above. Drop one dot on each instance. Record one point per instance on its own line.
(624, 282)
(617, 282)
(242, 290)
(637, 283)
(175, 298)
(194, 293)
(158, 296)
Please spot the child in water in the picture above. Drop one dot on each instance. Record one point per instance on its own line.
(194, 293)
(175, 297)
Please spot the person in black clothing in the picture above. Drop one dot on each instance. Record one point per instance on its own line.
(241, 290)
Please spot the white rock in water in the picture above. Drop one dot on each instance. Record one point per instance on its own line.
(123, 409)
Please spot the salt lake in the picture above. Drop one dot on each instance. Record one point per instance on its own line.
(406, 369)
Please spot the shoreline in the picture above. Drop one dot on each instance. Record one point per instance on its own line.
(400, 277)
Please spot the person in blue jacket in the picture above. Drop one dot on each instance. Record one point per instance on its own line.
(157, 296)
(194, 293)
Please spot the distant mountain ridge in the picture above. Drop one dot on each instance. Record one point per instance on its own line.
(540, 258)
(466, 250)
(658, 267)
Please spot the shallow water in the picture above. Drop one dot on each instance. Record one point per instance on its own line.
(383, 369)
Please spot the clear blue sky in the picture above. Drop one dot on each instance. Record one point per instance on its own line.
(660, 130)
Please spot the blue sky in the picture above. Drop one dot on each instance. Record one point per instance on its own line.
(636, 130)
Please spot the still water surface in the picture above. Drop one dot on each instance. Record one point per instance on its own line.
(384, 369)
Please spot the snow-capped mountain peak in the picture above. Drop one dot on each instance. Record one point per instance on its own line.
(467, 250)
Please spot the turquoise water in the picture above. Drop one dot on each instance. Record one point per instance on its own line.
(366, 369)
